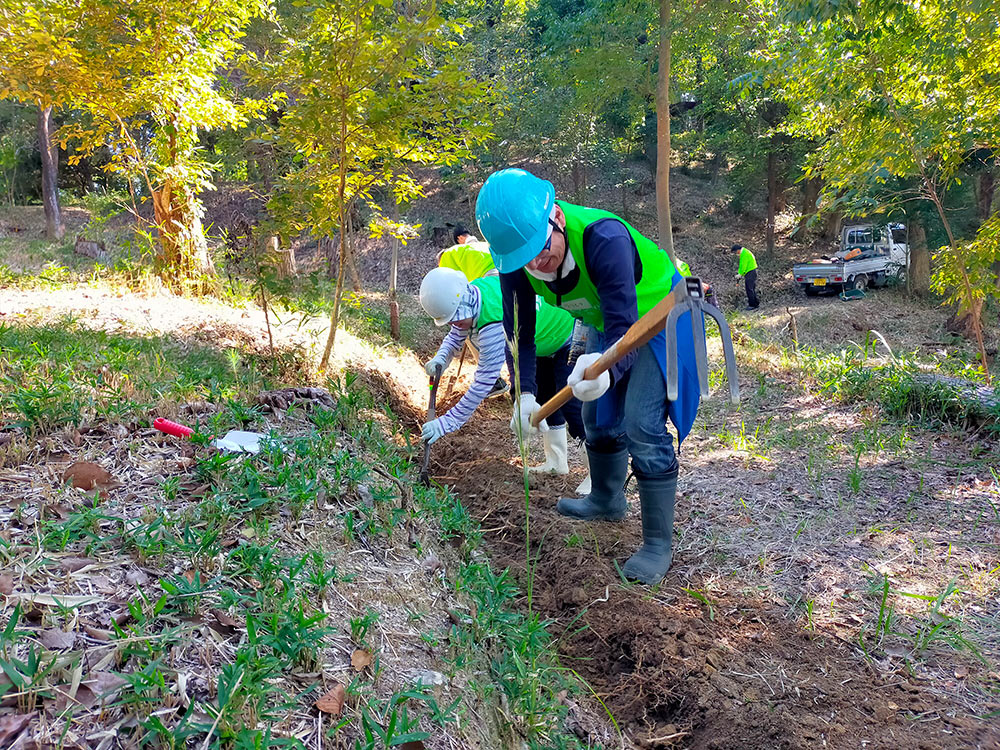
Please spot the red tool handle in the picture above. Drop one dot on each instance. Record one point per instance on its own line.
(172, 428)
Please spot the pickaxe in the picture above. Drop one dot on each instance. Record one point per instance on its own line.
(425, 477)
(685, 297)
(456, 376)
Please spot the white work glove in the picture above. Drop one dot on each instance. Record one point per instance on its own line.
(432, 431)
(438, 359)
(737, 277)
(588, 390)
(523, 409)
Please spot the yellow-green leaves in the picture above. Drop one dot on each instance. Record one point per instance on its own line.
(370, 92)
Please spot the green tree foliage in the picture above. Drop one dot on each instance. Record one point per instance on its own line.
(893, 90)
(18, 153)
(594, 68)
(146, 77)
(369, 91)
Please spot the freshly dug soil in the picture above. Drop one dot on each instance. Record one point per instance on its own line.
(675, 670)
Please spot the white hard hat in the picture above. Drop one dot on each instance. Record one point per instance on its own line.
(441, 293)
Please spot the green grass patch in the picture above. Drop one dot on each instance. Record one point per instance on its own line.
(900, 387)
(65, 374)
(222, 559)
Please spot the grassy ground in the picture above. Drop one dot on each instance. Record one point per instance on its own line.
(867, 506)
(835, 579)
(312, 596)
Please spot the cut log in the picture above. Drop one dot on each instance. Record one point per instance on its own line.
(284, 256)
(91, 249)
(976, 401)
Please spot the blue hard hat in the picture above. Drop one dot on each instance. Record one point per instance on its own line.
(512, 211)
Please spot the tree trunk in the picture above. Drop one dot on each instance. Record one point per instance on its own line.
(329, 249)
(393, 268)
(393, 302)
(285, 257)
(973, 307)
(663, 134)
(649, 136)
(182, 260)
(831, 227)
(772, 196)
(919, 273)
(342, 222)
(963, 323)
(811, 189)
(54, 228)
(984, 195)
(352, 258)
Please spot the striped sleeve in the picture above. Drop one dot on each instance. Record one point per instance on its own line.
(452, 343)
(491, 357)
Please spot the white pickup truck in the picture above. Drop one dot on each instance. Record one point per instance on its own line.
(869, 256)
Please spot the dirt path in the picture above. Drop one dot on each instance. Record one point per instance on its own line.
(681, 667)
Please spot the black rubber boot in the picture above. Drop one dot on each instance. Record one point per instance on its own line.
(606, 501)
(651, 562)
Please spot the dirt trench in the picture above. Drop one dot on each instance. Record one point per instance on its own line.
(675, 671)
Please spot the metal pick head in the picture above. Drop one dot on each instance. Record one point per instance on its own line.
(694, 302)
(692, 285)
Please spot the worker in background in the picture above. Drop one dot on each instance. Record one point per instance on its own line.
(472, 258)
(748, 271)
(706, 288)
(596, 266)
(475, 312)
(468, 255)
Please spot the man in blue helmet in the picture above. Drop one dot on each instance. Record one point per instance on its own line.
(600, 269)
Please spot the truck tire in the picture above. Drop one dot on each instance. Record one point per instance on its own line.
(810, 290)
(859, 282)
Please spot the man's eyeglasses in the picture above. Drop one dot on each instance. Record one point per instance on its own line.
(553, 228)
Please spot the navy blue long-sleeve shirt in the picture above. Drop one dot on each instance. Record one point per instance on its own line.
(614, 267)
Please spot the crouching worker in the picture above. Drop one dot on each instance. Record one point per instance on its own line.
(601, 270)
(475, 312)
(706, 288)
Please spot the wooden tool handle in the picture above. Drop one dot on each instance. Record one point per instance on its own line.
(639, 333)
(431, 414)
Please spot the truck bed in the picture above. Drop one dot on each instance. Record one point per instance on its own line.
(844, 270)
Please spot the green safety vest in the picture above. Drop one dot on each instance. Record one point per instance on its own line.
(553, 327)
(582, 301)
(747, 262)
(472, 259)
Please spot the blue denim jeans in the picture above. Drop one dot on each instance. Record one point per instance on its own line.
(633, 414)
(550, 377)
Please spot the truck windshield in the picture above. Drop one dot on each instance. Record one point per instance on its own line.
(860, 236)
(899, 236)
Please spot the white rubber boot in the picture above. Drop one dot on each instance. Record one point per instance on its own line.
(584, 487)
(554, 443)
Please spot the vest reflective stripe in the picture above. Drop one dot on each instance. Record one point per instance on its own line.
(582, 301)
(472, 259)
(553, 327)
